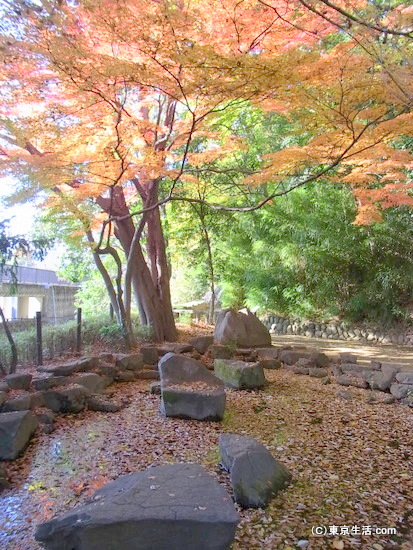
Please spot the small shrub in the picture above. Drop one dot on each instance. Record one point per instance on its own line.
(111, 334)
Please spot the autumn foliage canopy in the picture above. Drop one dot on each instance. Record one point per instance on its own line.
(113, 109)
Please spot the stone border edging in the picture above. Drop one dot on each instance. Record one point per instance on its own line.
(336, 331)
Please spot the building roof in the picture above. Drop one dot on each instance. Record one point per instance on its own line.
(36, 276)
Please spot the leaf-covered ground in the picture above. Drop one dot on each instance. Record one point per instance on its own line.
(351, 461)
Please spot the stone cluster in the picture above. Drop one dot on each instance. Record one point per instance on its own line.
(337, 331)
(187, 387)
(28, 400)
(392, 378)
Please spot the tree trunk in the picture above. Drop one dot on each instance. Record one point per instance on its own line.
(211, 312)
(160, 271)
(152, 294)
(106, 279)
(13, 348)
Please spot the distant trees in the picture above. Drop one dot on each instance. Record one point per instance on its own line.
(302, 255)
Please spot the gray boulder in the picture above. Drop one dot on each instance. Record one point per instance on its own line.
(218, 351)
(318, 372)
(290, 357)
(46, 417)
(126, 376)
(320, 359)
(240, 374)
(270, 364)
(246, 354)
(121, 361)
(149, 355)
(107, 370)
(401, 391)
(306, 362)
(37, 399)
(98, 403)
(49, 381)
(353, 368)
(20, 403)
(370, 376)
(131, 361)
(69, 399)
(171, 507)
(201, 343)
(148, 374)
(346, 357)
(255, 474)
(408, 401)
(18, 381)
(182, 348)
(267, 353)
(81, 365)
(405, 377)
(93, 382)
(350, 380)
(241, 329)
(189, 390)
(135, 362)
(268, 358)
(395, 366)
(16, 429)
(106, 357)
(296, 370)
(384, 378)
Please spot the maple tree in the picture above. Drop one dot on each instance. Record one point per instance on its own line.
(113, 111)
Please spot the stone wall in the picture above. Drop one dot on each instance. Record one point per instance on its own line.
(339, 331)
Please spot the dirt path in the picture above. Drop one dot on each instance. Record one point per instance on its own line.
(365, 352)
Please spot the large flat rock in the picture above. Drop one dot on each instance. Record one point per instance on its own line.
(190, 390)
(16, 429)
(171, 507)
(81, 365)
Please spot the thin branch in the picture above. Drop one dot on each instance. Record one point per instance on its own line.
(352, 17)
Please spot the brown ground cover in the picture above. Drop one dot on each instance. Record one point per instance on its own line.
(351, 461)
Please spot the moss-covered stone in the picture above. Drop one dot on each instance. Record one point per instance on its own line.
(239, 374)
